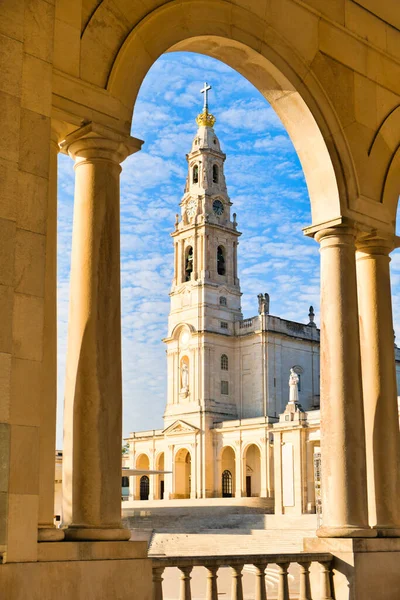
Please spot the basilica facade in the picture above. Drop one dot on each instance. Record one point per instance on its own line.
(227, 376)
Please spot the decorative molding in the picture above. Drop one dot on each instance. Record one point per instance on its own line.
(180, 427)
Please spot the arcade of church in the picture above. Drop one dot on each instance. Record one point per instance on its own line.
(71, 74)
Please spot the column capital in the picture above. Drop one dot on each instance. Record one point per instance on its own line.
(375, 244)
(336, 234)
(94, 141)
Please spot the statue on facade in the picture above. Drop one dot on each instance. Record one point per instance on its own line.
(263, 304)
(184, 378)
(311, 316)
(293, 386)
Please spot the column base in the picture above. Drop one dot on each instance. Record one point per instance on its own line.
(50, 534)
(88, 534)
(363, 569)
(386, 532)
(346, 532)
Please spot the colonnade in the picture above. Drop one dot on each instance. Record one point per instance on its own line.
(359, 425)
(360, 434)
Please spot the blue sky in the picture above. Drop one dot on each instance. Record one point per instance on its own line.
(266, 185)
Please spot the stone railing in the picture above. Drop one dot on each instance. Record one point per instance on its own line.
(246, 323)
(236, 563)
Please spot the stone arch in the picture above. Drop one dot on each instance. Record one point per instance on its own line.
(262, 55)
(177, 330)
(142, 463)
(182, 473)
(228, 463)
(252, 469)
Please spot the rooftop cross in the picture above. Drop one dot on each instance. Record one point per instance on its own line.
(204, 91)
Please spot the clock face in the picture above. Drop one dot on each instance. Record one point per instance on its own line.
(191, 208)
(218, 207)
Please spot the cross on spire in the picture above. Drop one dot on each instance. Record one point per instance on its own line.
(204, 91)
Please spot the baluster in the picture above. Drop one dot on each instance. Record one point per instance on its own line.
(157, 583)
(305, 590)
(325, 592)
(261, 592)
(237, 587)
(212, 591)
(283, 587)
(185, 583)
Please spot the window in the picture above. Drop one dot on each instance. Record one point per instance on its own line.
(144, 487)
(225, 388)
(222, 301)
(224, 362)
(221, 260)
(196, 174)
(215, 174)
(224, 325)
(227, 484)
(125, 482)
(188, 263)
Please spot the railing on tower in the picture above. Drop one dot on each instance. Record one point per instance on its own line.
(212, 564)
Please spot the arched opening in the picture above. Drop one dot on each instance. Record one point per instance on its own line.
(195, 174)
(215, 174)
(228, 466)
(144, 487)
(253, 471)
(142, 464)
(188, 263)
(160, 487)
(227, 487)
(221, 268)
(182, 474)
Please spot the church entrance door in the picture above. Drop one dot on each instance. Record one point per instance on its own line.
(248, 486)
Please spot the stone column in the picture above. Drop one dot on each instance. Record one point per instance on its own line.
(344, 496)
(379, 384)
(48, 398)
(93, 395)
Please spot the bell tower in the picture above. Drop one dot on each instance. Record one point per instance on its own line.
(205, 294)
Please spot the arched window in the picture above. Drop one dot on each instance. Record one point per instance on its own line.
(221, 260)
(144, 487)
(196, 174)
(224, 362)
(227, 484)
(125, 482)
(222, 301)
(215, 174)
(188, 263)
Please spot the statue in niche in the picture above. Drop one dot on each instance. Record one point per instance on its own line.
(293, 387)
(184, 378)
(263, 304)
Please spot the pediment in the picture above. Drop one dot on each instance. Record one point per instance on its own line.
(180, 427)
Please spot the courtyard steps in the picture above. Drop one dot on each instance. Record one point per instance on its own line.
(184, 528)
(222, 542)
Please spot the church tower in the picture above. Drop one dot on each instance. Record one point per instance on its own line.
(205, 294)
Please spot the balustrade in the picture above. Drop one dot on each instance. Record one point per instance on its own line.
(236, 563)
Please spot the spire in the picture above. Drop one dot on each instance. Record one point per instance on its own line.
(205, 119)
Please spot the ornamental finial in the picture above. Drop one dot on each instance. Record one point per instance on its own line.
(205, 119)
